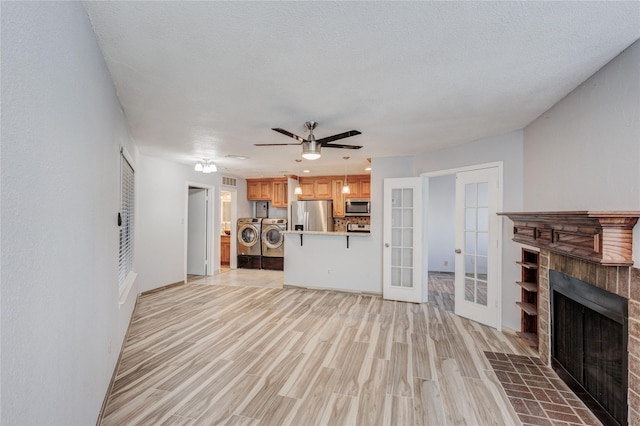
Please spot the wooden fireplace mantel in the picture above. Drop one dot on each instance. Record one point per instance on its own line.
(600, 237)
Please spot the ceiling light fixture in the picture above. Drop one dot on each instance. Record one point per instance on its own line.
(311, 149)
(205, 166)
(298, 190)
(345, 188)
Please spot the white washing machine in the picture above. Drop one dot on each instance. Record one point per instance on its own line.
(249, 245)
(273, 243)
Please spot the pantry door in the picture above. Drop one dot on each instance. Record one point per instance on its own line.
(477, 246)
(403, 256)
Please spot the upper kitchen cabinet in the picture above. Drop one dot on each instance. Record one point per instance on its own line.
(365, 187)
(338, 199)
(272, 189)
(279, 196)
(254, 190)
(315, 188)
(323, 189)
(308, 189)
(359, 186)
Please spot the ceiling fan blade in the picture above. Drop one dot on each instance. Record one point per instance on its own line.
(275, 144)
(338, 136)
(338, 145)
(288, 133)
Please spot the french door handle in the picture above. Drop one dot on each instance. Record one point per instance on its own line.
(386, 244)
(458, 251)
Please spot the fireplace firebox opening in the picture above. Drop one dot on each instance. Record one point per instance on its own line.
(589, 329)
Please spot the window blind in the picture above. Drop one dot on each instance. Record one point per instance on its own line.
(127, 215)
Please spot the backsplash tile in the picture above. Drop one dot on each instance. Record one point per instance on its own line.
(340, 224)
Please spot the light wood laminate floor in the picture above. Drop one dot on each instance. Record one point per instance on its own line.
(224, 354)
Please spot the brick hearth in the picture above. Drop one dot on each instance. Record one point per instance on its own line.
(621, 280)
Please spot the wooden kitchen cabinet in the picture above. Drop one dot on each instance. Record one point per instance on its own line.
(272, 189)
(266, 189)
(359, 186)
(253, 190)
(338, 199)
(308, 189)
(225, 250)
(315, 188)
(323, 189)
(365, 187)
(259, 189)
(279, 196)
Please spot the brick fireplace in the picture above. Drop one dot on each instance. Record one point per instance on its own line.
(621, 280)
(595, 248)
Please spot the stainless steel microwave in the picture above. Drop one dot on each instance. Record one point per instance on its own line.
(355, 207)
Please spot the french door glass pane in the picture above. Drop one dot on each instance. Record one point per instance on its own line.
(483, 194)
(470, 242)
(402, 237)
(396, 197)
(396, 256)
(469, 290)
(476, 244)
(481, 292)
(471, 195)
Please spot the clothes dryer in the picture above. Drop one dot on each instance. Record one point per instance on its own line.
(249, 245)
(273, 243)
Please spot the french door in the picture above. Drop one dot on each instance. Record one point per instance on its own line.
(477, 233)
(403, 256)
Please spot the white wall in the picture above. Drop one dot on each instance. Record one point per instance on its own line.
(161, 220)
(507, 148)
(584, 152)
(441, 225)
(61, 130)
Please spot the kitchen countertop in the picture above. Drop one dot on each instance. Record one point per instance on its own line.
(341, 234)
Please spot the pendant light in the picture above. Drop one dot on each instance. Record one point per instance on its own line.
(298, 189)
(345, 188)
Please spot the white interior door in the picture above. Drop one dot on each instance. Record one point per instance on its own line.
(477, 233)
(197, 232)
(403, 237)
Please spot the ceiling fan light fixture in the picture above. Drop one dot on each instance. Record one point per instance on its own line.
(310, 150)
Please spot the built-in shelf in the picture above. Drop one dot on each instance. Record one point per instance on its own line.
(528, 303)
(599, 237)
(528, 265)
(530, 287)
(529, 308)
(531, 339)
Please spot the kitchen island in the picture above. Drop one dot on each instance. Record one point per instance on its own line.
(341, 261)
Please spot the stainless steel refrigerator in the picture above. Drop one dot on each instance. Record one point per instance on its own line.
(314, 215)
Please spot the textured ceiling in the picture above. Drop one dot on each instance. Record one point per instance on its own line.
(210, 79)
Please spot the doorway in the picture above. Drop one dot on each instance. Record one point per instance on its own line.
(441, 236)
(198, 227)
(199, 216)
(225, 230)
(464, 241)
